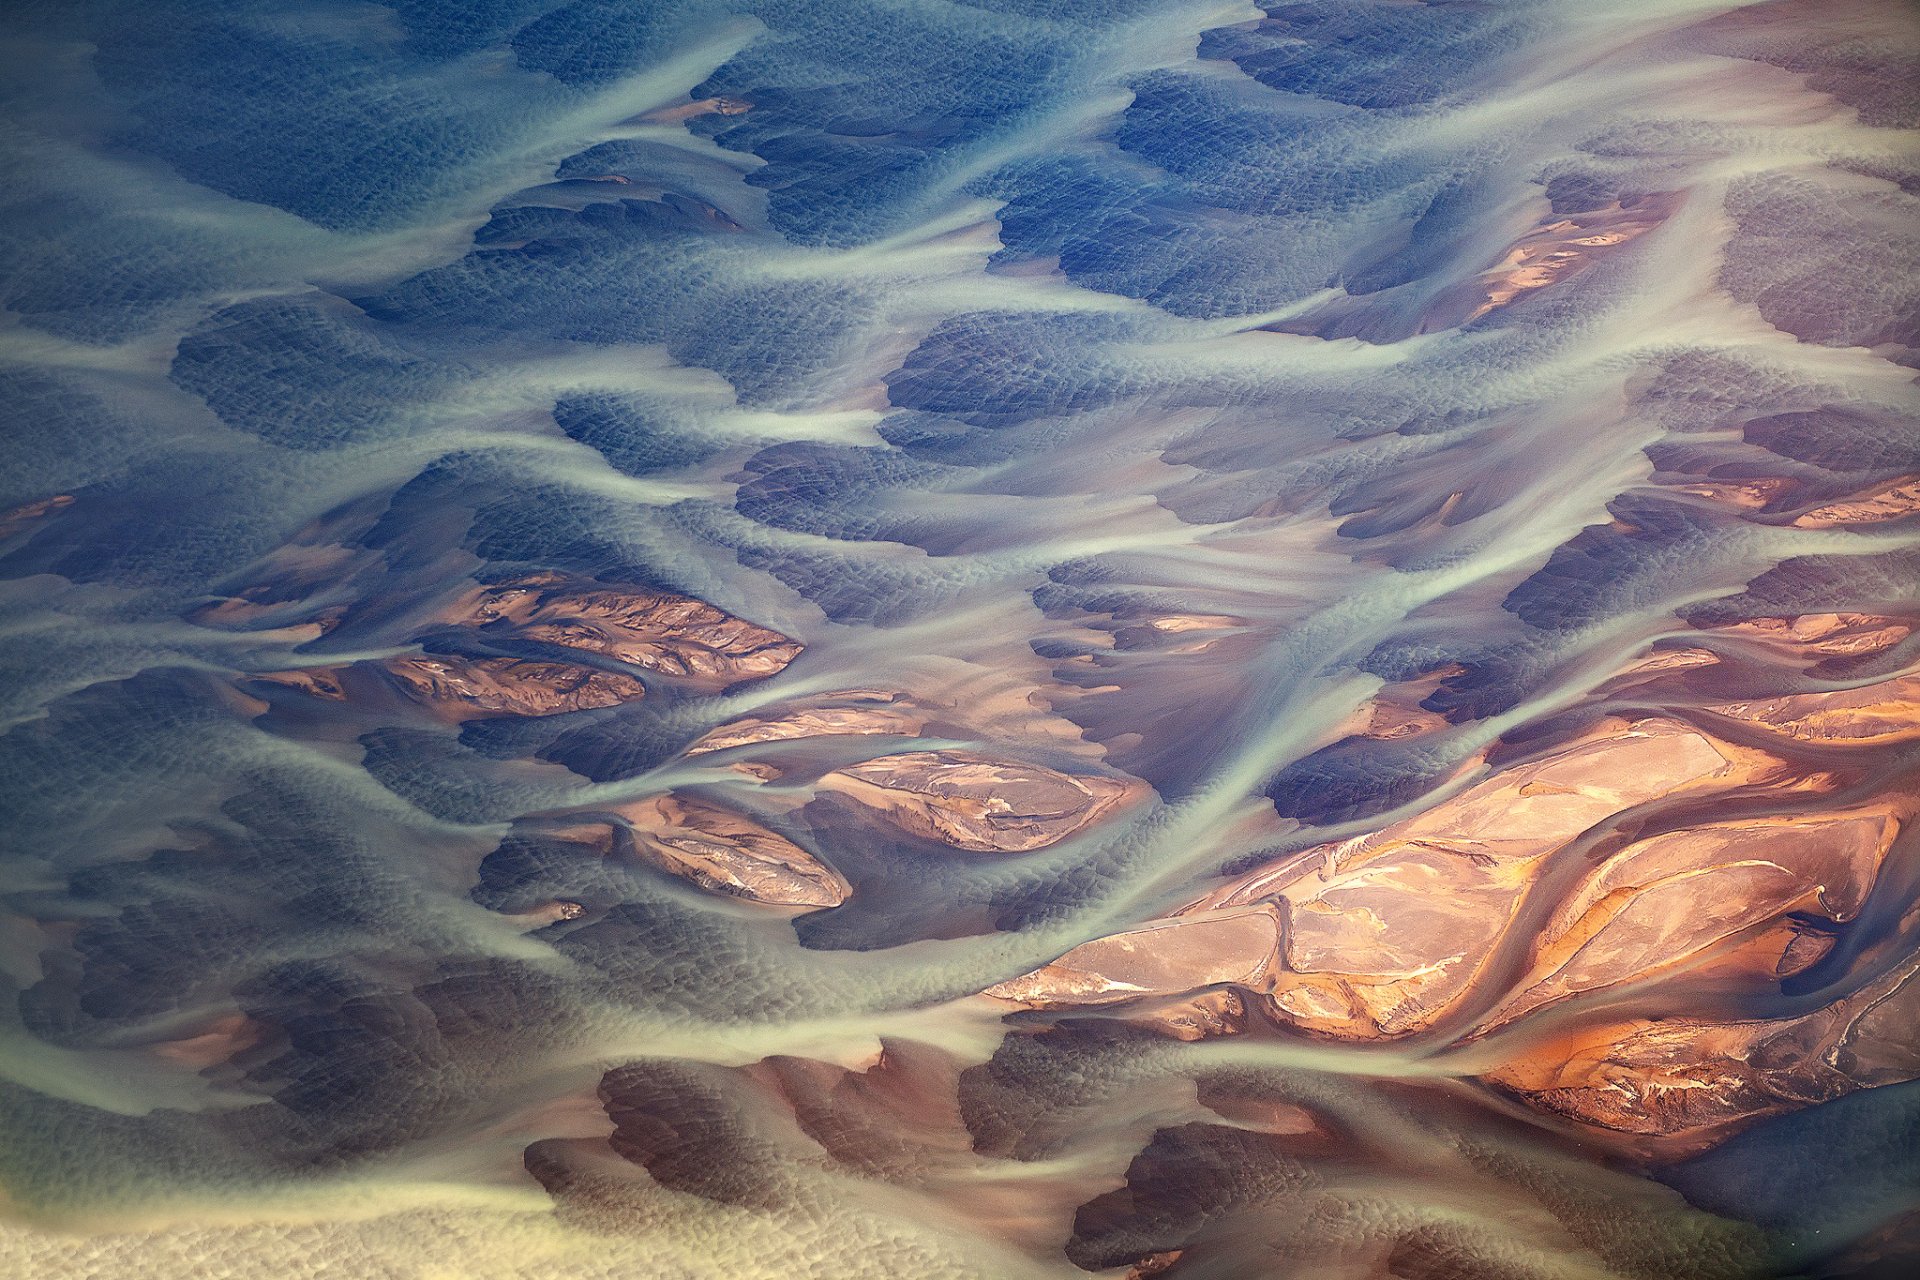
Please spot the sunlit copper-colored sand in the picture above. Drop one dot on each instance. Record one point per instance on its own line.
(1891, 502)
(1686, 1082)
(1821, 634)
(1557, 251)
(711, 846)
(217, 1042)
(1382, 933)
(670, 634)
(1878, 714)
(977, 802)
(811, 722)
(1756, 899)
(461, 688)
(27, 514)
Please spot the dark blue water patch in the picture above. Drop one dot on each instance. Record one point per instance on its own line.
(180, 522)
(1190, 1181)
(1819, 584)
(555, 526)
(851, 136)
(1614, 570)
(1198, 262)
(710, 180)
(837, 492)
(165, 933)
(1360, 777)
(435, 773)
(86, 271)
(638, 271)
(1499, 668)
(987, 368)
(1058, 200)
(633, 434)
(305, 372)
(852, 588)
(1091, 13)
(486, 504)
(591, 42)
(698, 1130)
(60, 437)
(937, 438)
(1682, 459)
(510, 227)
(1429, 480)
(1855, 1163)
(1217, 203)
(610, 748)
(1795, 235)
(1233, 150)
(327, 120)
(438, 30)
(1366, 53)
(1043, 1091)
(1699, 391)
(531, 869)
(1434, 241)
(656, 953)
(905, 889)
(1842, 438)
(73, 763)
(1871, 70)
(371, 1053)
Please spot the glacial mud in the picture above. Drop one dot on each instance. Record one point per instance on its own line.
(725, 638)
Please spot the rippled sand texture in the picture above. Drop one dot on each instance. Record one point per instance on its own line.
(711, 639)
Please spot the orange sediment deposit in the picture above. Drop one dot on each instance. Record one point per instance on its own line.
(1686, 1083)
(461, 688)
(219, 1041)
(27, 514)
(1554, 252)
(551, 913)
(1748, 495)
(307, 585)
(1193, 622)
(978, 802)
(715, 848)
(1663, 660)
(1182, 632)
(1238, 946)
(812, 722)
(1749, 902)
(315, 682)
(1889, 502)
(1827, 635)
(1874, 714)
(658, 631)
(1220, 1012)
(1394, 711)
(1379, 936)
(1155, 1264)
(509, 686)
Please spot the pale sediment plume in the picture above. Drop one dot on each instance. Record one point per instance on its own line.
(1023, 639)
